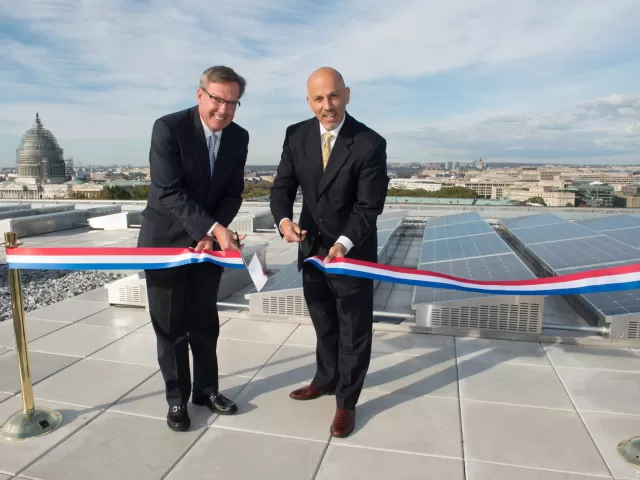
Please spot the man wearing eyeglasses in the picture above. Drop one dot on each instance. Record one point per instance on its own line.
(197, 160)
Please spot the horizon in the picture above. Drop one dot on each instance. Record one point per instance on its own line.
(531, 82)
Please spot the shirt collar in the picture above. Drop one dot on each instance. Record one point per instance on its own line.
(208, 132)
(336, 130)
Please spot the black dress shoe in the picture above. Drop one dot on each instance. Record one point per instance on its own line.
(178, 418)
(217, 402)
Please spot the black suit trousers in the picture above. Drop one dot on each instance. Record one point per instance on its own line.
(182, 304)
(341, 309)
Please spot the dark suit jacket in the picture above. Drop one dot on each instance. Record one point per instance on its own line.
(184, 200)
(345, 199)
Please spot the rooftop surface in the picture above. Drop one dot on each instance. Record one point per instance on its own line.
(435, 406)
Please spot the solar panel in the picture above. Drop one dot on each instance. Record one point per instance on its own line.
(615, 303)
(612, 241)
(612, 222)
(392, 214)
(574, 253)
(611, 303)
(532, 221)
(499, 267)
(628, 236)
(462, 247)
(388, 224)
(456, 230)
(289, 277)
(551, 233)
(453, 219)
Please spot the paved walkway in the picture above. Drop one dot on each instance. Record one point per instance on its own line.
(434, 407)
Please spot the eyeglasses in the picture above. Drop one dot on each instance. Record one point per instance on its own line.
(221, 101)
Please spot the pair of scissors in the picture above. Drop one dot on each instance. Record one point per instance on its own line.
(240, 248)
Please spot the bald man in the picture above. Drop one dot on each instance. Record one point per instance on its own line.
(341, 166)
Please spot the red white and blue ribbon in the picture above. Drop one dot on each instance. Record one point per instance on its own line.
(113, 258)
(593, 281)
(604, 280)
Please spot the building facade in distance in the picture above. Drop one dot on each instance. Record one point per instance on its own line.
(39, 157)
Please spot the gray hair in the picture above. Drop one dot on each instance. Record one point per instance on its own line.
(221, 74)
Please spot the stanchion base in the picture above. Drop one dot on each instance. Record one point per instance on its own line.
(630, 450)
(22, 426)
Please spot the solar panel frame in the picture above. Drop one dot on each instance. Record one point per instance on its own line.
(456, 230)
(453, 219)
(499, 267)
(289, 277)
(612, 222)
(615, 241)
(462, 247)
(551, 233)
(624, 302)
(573, 253)
(628, 236)
(535, 220)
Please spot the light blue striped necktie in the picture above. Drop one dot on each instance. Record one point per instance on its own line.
(212, 156)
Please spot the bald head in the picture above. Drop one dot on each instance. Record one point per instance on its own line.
(327, 96)
(325, 74)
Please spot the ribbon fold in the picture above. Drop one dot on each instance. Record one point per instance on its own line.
(109, 258)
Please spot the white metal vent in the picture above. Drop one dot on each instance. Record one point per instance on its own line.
(503, 314)
(242, 224)
(634, 330)
(285, 305)
(510, 318)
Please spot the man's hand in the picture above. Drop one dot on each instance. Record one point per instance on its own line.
(226, 238)
(291, 232)
(337, 251)
(205, 243)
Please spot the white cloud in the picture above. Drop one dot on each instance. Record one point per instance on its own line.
(587, 131)
(112, 67)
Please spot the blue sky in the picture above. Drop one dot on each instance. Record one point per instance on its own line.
(503, 80)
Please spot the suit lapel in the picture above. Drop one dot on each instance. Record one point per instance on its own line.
(339, 154)
(201, 145)
(313, 155)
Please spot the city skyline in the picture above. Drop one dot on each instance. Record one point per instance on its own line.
(526, 81)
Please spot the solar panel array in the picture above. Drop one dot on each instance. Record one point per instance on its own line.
(532, 221)
(568, 247)
(289, 277)
(612, 222)
(459, 245)
(551, 233)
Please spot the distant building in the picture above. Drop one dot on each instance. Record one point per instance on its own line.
(68, 168)
(39, 157)
(629, 197)
(593, 194)
(552, 197)
(415, 184)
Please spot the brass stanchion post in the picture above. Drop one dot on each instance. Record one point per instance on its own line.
(31, 421)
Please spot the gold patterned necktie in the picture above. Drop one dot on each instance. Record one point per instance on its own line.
(326, 149)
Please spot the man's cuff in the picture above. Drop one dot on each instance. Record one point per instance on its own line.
(210, 232)
(280, 224)
(348, 244)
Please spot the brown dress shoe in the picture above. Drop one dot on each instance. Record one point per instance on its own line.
(309, 393)
(343, 422)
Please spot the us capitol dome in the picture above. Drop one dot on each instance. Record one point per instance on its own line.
(39, 157)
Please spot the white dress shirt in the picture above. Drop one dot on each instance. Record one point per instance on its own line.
(348, 244)
(208, 133)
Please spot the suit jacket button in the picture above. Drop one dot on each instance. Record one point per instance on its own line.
(320, 220)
